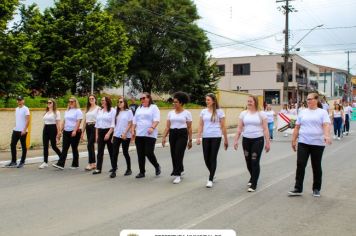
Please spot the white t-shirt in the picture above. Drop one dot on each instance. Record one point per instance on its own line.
(292, 111)
(122, 121)
(105, 119)
(253, 127)
(348, 110)
(284, 111)
(325, 106)
(179, 121)
(311, 126)
(90, 116)
(50, 118)
(270, 116)
(143, 119)
(71, 117)
(336, 114)
(21, 114)
(212, 129)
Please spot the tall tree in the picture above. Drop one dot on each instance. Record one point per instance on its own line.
(170, 49)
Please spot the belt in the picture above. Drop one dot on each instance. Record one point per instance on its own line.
(90, 123)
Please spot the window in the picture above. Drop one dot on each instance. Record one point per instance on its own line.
(221, 69)
(273, 97)
(241, 69)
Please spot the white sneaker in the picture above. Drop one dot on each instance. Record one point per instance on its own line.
(249, 184)
(73, 167)
(334, 137)
(43, 165)
(338, 138)
(285, 135)
(209, 184)
(251, 190)
(177, 180)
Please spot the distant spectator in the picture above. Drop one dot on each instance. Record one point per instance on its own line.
(133, 106)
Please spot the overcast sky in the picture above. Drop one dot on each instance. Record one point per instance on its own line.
(242, 27)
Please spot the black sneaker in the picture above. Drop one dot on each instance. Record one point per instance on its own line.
(295, 192)
(11, 165)
(128, 172)
(113, 174)
(140, 175)
(316, 193)
(96, 172)
(111, 170)
(158, 171)
(20, 165)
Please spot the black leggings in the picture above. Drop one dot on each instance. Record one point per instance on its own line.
(145, 148)
(90, 128)
(69, 141)
(347, 123)
(101, 147)
(315, 152)
(16, 136)
(49, 134)
(210, 151)
(178, 139)
(125, 149)
(252, 151)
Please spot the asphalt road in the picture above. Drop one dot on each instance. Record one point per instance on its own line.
(75, 202)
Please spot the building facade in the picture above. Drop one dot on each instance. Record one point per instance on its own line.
(333, 82)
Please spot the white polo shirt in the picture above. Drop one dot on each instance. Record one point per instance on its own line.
(105, 119)
(143, 119)
(21, 114)
(71, 117)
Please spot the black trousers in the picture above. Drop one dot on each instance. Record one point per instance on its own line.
(253, 148)
(49, 134)
(69, 141)
(347, 123)
(15, 137)
(178, 139)
(101, 147)
(125, 149)
(211, 148)
(90, 129)
(145, 148)
(315, 152)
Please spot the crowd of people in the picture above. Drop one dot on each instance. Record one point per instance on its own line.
(112, 127)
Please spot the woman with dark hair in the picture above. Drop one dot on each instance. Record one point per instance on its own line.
(89, 126)
(122, 135)
(104, 126)
(51, 131)
(211, 128)
(71, 134)
(347, 112)
(312, 129)
(338, 119)
(179, 128)
(144, 129)
(253, 128)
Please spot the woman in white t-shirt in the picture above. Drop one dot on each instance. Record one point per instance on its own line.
(211, 128)
(144, 130)
(312, 129)
(338, 119)
(179, 128)
(252, 126)
(71, 133)
(104, 127)
(270, 119)
(89, 127)
(51, 131)
(122, 135)
(347, 112)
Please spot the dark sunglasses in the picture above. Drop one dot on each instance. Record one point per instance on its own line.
(121, 102)
(71, 101)
(49, 102)
(143, 98)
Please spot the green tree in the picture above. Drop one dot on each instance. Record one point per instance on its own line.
(170, 50)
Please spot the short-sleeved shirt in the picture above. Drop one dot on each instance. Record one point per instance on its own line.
(51, 118)
(143, 119)
(325, 106)
(348, 110)
(212, 129)
(122, 122)
(253, 127)
(71, 117)
(270, 116)
(311, 126)
(105, 119)
(179, 121)
(21, 113)
(90, 116)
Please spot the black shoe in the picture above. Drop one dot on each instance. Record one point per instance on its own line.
(20, 165)
(111, 170)
(316, 193)
(295, 192)
(128, 172)
(113, 174)
(96, 172)
(11, 165)
(158, 171)
(140, 175)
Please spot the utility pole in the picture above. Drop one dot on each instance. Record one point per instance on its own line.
(349, 83)
(92, 83)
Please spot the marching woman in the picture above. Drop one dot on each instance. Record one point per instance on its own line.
(144, 130)
(89, 126)
(71, 134)
(312, 130)
(211, 128)
(338, 120)
(347, 112)
(104, 127)
(122, 135)
(270, 119)
(179, 128)
(51, 131)
(252, 126)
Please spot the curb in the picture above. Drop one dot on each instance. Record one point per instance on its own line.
(34, 160)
